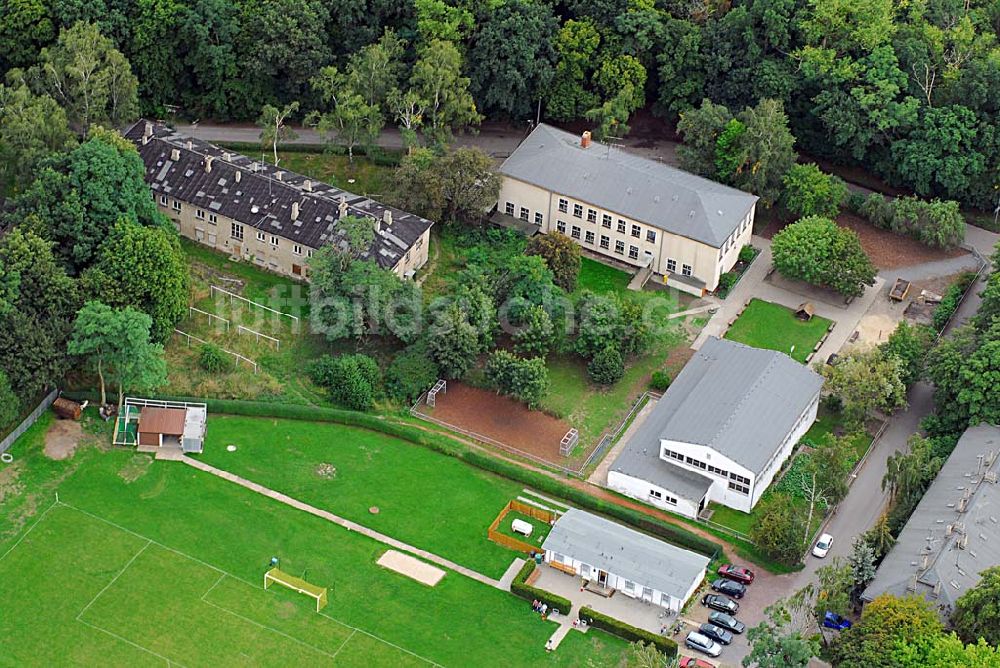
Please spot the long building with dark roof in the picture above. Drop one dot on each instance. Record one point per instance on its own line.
(260, 213)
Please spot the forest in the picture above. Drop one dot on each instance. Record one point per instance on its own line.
(906, 90)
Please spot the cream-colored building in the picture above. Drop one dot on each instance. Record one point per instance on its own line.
(259, 213)
(686, 229)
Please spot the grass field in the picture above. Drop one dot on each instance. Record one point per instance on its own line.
(370, 179)
(774, 327)
(428, 500)
(538, 533)
(160, 563)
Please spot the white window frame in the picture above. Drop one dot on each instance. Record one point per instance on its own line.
(296, 249)
(509, 208)
(213, 219)
(687, 269)
(671, 265)
(236, 232)
(539, 218)
(261, 236)
(563, 205)
(164, 200)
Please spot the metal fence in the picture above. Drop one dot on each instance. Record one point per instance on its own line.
(28, 421)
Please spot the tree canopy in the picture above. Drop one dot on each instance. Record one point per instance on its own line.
(818, 251)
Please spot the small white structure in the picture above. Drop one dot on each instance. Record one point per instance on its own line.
(616, 557)
(155, 425)
(521, 527)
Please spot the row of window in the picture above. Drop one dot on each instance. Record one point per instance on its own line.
(606, 220)
(737, 482)
(736, 487)
(686, 269)
(633, 251)
(509, 209)
(236, 233)
(660, 496)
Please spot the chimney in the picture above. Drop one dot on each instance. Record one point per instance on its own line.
(378, 226)
(190, 144)
(585, 139)
(175, 154)
(295, 210)
(343, 207)
(148, 131)
(239, 175)
(208, 164)
(387, 217)
(307, 185)
(280, 176)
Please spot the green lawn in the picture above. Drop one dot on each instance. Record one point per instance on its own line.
(370, 179)
(774, 327)
(426, 499)
(538, 533)
(145, 564)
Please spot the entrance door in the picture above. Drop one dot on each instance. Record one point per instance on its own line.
(602, 578)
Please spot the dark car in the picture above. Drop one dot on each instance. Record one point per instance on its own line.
(738, 573)
(716, 633)
(720, 603)
(729, 588)
(832, 620)
(727, 622)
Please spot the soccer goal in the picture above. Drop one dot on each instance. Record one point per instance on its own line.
(297, 584)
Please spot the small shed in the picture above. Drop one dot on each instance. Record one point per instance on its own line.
(805, 311)
(161, 426)
(154, 425)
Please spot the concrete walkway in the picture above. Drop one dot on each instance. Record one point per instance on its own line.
(354, 526)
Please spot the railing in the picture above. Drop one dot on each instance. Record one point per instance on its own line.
(210, 316)
(192, 337)
(233, 295)
(28, 421)
(240, 329)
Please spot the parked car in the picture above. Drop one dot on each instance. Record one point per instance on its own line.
(716, 633)
(832, 620)
(729, 588)
(692, 662)
(720, 603)
(822, 547)
(702, 643)
(738, 573)
(727, 622)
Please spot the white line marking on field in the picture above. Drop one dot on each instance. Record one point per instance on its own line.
(128, 642)
(266, 627)
(25, 534)
(113, 580)
(346, 640)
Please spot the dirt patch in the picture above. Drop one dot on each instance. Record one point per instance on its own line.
(62, 438)
(135, 468)
(9, 486)
(326, 471)
(503, 421)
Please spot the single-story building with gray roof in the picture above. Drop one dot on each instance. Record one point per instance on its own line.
(720, 432)
(627, 561)
(688, 230)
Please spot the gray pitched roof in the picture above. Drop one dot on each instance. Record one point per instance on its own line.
(260, 200)
(625, 552)
(739, 401)
(641, 459)
(939, 544)
(645, 190)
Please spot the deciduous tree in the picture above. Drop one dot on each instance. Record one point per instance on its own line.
(778, 529)
(866, 382)
(977, 611)
(273, 126)
(437, 78)
(818, 251)
(810, 192)
(562, 256)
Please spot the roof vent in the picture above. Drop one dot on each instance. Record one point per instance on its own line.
(675, 198)
(148, 130)
(307, 185)
(342, 210)
(190, 145)
(175, 154)
(208, 164)
(295, 210)
(254, 209)
(691, 214)
(387, 217)
(280, 176)
(239, 175)
(720, 212)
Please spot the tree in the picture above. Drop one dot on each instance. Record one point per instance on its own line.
(679, 72)
(273, 129)
(643, 655)
(862, 562)
(526, 380)
(351, 380)
(437, 20)
(437, 78)
(90, 79)
(866, 382)
(374, 70)
(213, 359)
(977, 611)
(25, 28)
(454, 342)
(880, 537)
(825, 479)
(407, 109)
(419, 184)
(576, 48)
(907, 477)
(778, 529)
(701, 129)
(810, 192)
(143, 267)
(834, 589)
(359, 234)
(761, 153)
(965, 370)
(607, 367)
(32, 127)
(886, 622)
(910, 344)
(562, 256)
(535, 335)
(818, 251)
(10, 404)
(410, 373)
(354, 120)
(469, 183)
(774, 644)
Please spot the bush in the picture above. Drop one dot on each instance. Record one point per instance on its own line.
(811, 192)
(527, 592)
(937, 223)
(410, 373)
(561, 254)
(627, 631)
(726, 282)
(211, 358)
(950, 302)
(524, 380)
(607, 367)
(855, 201)
(660, 381)
(818, 251)
(351, 380)
(747, 254)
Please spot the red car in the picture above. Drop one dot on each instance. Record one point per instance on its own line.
(691, 662)
(738, 573)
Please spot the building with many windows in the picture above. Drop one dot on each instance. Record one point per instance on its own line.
(721, 431)
(684, 228)
(259, 213)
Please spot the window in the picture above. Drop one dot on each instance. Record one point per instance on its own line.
(525, 213)
(539, 218)
(591, 216)
(633, 252)
(296, 249)
(589, 237)
(686, 269)
(309, 252)
(585, 570)
(739, 488)
(655, 494)
(163, 200)
(739, 478)
(694, 462)
(636, 231)
(213, 219)
(274, 240)
(575, 233)
(509, 209)
(578, 211)
(629, 586)
(237, 232)
(717, 471)
(606, 221)
(177, 206)
(651, 236)
(420, 243)
(621, 226)
(199, 214)
(673, 455)
(605, 242)
(561, 226)
(261, 236)
(620, 247)
(563, 205)
(671, 265)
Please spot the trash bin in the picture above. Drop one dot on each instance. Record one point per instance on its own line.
(538, 557)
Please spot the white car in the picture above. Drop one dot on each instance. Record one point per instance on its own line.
(822, 546)
(702, 643)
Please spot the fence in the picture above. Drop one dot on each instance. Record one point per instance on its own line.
(28, 421)
(240, 329)
(983, 265)
(233, 295)
(613, 437)
(210, 316)
(525, 509)
(191, 337)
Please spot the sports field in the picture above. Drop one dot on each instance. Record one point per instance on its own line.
(157, 563)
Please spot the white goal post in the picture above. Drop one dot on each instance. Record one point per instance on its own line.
(297, 584)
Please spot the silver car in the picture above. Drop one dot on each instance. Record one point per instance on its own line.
(703, 643)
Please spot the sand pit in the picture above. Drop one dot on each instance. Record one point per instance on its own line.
(410, 567)
(62, 438)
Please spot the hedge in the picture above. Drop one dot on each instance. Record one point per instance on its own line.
(672, 533)
(950, 302)
(627, 631)
(529, 593)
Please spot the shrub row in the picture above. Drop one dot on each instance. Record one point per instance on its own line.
(522, 590)
(950, 301)
(934, 223)
(627, 631)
